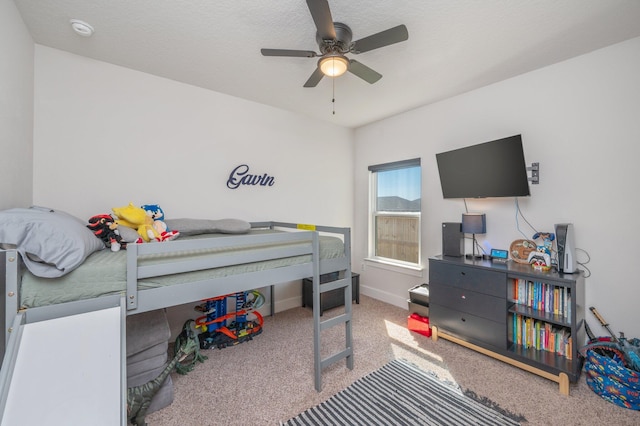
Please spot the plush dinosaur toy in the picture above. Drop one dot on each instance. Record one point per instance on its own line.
(139, 397)
(188, 363)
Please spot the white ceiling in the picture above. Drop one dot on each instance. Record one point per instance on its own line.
(454, 45)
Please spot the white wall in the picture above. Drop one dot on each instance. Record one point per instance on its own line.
(106, 136)
(16, 109)
(580, 119)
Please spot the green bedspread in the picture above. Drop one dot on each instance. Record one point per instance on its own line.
(104, 272)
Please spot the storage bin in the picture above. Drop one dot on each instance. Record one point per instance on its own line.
(419, 324)
(333, 298)
(419, 300)
(420, 294)
(416, 308)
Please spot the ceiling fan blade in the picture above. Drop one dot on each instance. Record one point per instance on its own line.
(314, 79)
(321, 15)
(363, 71)
(287, 52)
(381, 39)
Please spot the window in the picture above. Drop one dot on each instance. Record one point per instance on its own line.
(394, 230)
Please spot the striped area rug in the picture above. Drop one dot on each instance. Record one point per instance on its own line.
(400, 393)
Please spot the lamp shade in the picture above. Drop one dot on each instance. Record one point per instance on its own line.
(333, 65)
(474, 223)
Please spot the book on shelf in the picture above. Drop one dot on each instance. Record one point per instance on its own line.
(542, 297)
(540, 335)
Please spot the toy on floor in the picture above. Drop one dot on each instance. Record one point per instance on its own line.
(612, 366)
(216, 332)
(188, 363)
(139, 397)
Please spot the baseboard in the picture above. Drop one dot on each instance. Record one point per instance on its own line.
(286, 304)
(384, 296)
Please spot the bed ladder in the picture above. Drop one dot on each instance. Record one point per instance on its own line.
(344, 318)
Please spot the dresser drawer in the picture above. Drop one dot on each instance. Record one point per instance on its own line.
(469, 327)
(482, 305)
(476, 279)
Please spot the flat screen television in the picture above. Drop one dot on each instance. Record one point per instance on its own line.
(490, 169)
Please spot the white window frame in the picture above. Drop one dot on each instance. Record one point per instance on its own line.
(374, 213)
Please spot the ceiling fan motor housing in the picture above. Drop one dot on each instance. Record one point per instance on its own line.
(342, 42)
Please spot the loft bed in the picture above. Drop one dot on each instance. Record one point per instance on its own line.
(152, 276)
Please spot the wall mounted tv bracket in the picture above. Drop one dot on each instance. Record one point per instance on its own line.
(535, 173)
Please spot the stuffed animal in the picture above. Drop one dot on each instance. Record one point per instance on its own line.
(157, 214)
(540, 259)
(136, 218)
(105, 227)
(547, 241)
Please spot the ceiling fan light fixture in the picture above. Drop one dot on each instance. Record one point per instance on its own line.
(333, 65)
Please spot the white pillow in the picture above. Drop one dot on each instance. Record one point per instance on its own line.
(52, 243)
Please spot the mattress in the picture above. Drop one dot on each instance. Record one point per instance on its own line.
(104, 272)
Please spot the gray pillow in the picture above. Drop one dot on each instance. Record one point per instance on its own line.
(208, 226)
(52, 243)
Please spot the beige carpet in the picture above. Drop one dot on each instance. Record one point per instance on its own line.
(270, 379)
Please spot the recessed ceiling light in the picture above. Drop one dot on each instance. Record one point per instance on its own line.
(81, 28)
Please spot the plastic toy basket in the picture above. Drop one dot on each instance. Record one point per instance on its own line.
(607, 375)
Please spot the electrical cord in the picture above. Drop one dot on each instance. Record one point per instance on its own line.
(554, 253)
(480, 247)
(583, 264)
(519, 212)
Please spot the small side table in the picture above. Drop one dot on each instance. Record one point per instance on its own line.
(330, 299)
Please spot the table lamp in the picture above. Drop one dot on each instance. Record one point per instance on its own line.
(474, 223)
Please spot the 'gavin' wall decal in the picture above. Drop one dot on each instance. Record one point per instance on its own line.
(241, 176)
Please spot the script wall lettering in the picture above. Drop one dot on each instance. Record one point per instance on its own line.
(241, 176)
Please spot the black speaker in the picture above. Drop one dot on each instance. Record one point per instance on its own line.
(565, 240)
(452, 239)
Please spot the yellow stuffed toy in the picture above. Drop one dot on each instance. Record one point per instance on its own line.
(136, 218)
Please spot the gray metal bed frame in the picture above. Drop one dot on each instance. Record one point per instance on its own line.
(138, 301)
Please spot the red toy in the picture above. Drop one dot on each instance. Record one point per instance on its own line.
(419, 324)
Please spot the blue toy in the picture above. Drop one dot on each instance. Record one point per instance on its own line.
(217, 332)
(156, 213)
(540, 259)
(547, 241)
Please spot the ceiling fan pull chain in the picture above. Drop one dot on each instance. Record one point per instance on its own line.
(333, 94)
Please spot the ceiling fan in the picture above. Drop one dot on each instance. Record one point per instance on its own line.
(334, 41)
